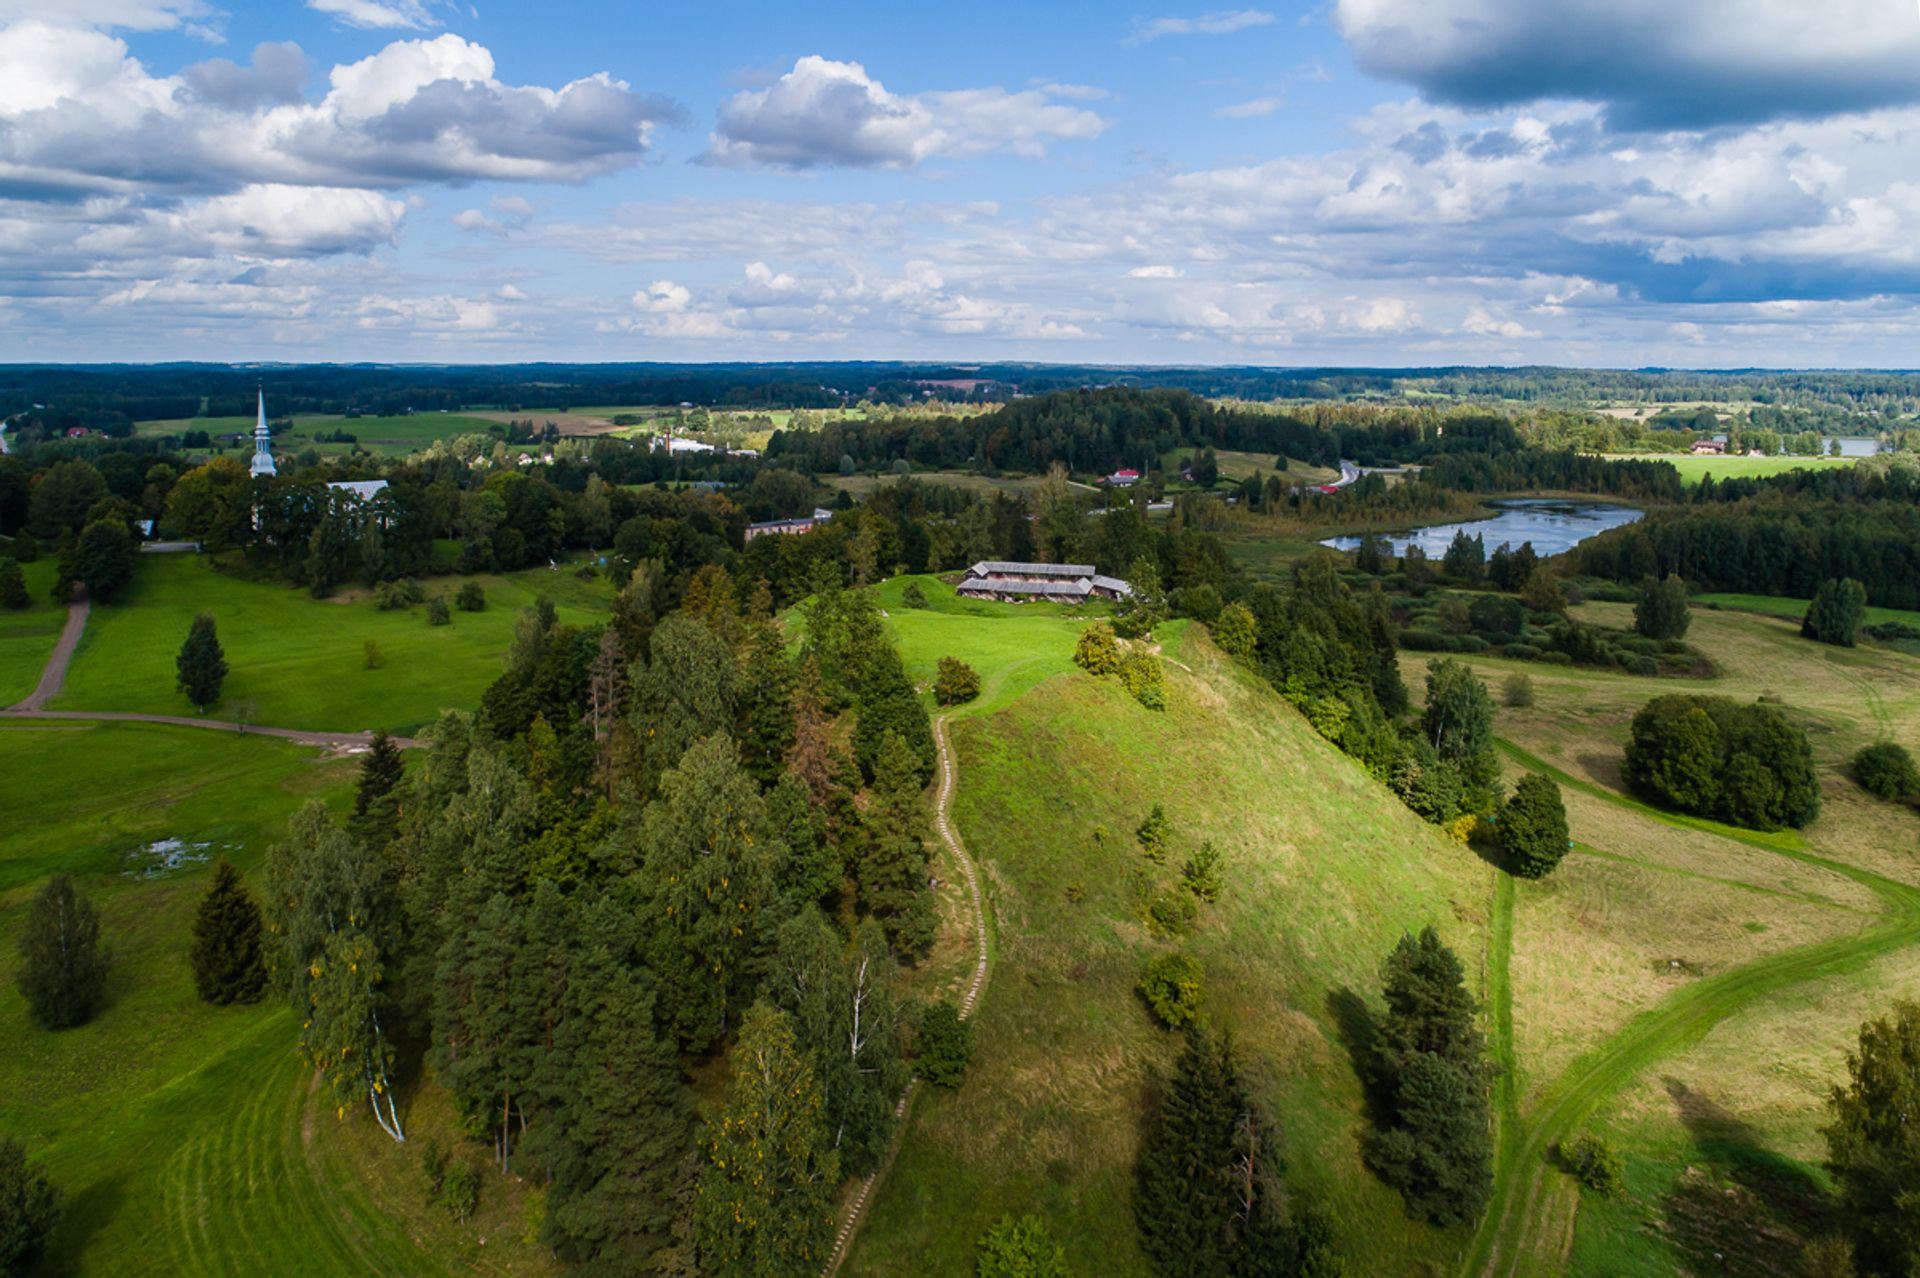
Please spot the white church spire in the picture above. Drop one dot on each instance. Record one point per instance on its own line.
(262, 442)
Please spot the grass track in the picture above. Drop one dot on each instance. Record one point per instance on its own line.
(1529, 1226)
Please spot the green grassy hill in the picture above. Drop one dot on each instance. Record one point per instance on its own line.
(27, 635)
(1325, 871)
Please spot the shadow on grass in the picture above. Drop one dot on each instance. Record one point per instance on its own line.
(82, 1216)
(1359, 1033)
(1742, 1208)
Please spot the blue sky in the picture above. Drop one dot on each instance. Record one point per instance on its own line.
(1596, 182)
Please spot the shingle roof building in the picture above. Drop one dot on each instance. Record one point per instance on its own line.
(1009, 581)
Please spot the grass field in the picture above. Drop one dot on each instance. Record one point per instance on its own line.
(26, 636)
(1692, 469)
(1660, 983)
(186, 1137)
(1322, 877)
(862, 486)
(1236, 466)
(1795, 609)
(300, 659)
(393, 436)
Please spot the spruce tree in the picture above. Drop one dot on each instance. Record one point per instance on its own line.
(1431, 1065)
(767, 709)
(893, 865)
(765, 1203)
(63, 966)
(29, 1209)
(1533, 827)
(201, 666)
(888, 703)
(375, 802)
(1182, 1199)
(228, 966)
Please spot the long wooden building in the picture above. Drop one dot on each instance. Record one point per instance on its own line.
(1014, 582)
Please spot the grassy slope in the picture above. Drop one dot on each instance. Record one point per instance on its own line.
(302, 659)
(26, 636)
(1795, 609)
(186, 1137)
(1325, 871)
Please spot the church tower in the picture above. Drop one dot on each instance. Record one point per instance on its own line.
(262, 444)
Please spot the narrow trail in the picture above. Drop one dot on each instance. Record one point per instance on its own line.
(1528, 1228)
(976, 985)
(54, 676)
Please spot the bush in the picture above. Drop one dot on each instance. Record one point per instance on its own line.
(460, 1190)
(438, 614)
(1744, 764)
(1153, 835)
(1171, 913)
(1596, 1165)
(29, 1209)
(1019, 1249)
(957, 682)
(433, 1165)
(1173, 988)
(1143, 679)
(1201, 602)
(392, 596)
(944, 1047)
(26, 548)
(914, 597)
(13, 585)
(1661, 610)
(471, 598)
(371, 656)
(1517, 690)
(1886, 770)
(1235, 632)
(1098, 651)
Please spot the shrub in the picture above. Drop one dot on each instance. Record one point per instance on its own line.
(944, 1047)
(433, 1165)
(1173, 988)
(1143, 679)
(29, 1209)
(1886, 770)
(1645, 667)
(371, 656)
(26, 548)
(1171, 913)
(914, 597)
(1098, 651)
(471, 598)
(1533, 827)
(438, 614)
(460, 1191)
(1201, 602)
(392, 596)
(1517, 690)
(957, 682)
(1019, 1249)
(1596, 1165)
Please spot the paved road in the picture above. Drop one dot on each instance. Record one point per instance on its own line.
(168, 547)
(54, 677)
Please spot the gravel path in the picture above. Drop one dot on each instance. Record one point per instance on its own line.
(54, 676)
(942, 807)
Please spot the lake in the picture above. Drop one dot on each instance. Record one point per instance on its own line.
(1551, 524)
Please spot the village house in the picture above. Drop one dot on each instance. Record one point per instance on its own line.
(789, 527)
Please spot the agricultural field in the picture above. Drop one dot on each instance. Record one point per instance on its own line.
(187, 1137)
(1055, 771)
(1236, 466)
(27, 635)
(301, 661)
(1693, 469)
(863, 486)
(1685, 989)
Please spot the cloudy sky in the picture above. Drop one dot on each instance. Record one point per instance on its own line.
(1597, 182)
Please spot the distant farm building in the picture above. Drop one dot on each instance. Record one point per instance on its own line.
(363, 489)
(790, 527)
(1712, 447)
(1124, 478)
(1016, 582)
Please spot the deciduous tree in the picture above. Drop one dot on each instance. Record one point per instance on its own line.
(63, 966)
(1834, 616)
(1873, 1143)
(1533, 827)
(29, 1209)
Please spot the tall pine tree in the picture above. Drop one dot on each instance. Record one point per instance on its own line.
(228, 965)
(376, 813)
(893, 864)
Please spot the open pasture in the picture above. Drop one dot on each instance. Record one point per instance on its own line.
(299, 661)
(27, 634)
